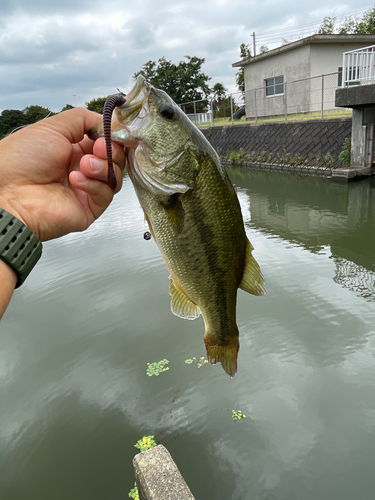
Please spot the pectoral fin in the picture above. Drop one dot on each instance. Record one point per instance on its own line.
(252, 279)
(181, 306)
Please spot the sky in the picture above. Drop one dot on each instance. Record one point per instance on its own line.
(69, 52)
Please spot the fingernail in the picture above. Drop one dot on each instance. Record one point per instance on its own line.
(79, 176)
(96, 165)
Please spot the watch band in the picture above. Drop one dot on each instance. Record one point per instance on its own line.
(19, 247)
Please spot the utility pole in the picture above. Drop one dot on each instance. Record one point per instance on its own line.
(254, 44)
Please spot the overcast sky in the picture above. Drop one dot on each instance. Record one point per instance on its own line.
(54, 53)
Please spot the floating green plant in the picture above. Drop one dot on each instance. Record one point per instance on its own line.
(157, 368)
(145, 443)
(238, 415)
(199, 362)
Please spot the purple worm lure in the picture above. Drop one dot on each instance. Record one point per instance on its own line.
(110, 104)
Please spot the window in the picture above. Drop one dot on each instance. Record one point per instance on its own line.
(274, 86)
(352, 74)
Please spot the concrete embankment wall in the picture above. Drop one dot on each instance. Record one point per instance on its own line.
(304, 143)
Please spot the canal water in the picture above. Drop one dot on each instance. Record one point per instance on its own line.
(77, 337)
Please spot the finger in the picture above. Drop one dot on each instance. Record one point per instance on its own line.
(96, 168)
(72, 124)
(86, 145)
(118, 152)
(97, 195)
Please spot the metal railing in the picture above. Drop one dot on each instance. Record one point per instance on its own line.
(303, 99)
(306, 98)
(207, 112)
(358, 66)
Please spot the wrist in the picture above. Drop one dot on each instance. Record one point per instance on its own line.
(20, 249)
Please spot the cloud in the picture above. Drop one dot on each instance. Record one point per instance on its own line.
(53, 53)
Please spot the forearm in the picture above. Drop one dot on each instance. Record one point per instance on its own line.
(8, 280)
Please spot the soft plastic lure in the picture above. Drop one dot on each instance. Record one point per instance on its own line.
(110, 104)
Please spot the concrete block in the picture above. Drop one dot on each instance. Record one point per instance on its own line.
(358, 96)
(158, 477)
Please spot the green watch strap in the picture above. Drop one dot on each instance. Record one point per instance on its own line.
(19, 247)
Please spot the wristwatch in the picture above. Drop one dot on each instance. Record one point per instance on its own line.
(19, 247)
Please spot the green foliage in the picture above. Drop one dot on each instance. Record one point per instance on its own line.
(327, 27)
(344, 156)
(298, 160)
(183, 82)
(133, 493)
(238, 415)
(146, 443)
(329, 159)
(239, 156)
(11, 119)
(96, 105)
(157, 368)
(66, 107)
(221, 103)
(245, 53)
(199, 362)
(35, 113)
(263, 49)
(357, 26)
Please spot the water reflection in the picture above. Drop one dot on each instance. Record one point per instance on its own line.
(315, 213)
(77, 337)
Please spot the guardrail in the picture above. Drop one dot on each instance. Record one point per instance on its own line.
(358, 66)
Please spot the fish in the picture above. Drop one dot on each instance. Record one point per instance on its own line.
(193, 214)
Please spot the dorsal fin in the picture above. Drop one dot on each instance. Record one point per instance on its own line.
(181, 306)
(252, 279)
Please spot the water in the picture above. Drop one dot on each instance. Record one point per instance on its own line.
(77, 337)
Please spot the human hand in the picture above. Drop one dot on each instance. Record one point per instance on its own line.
(53, 177)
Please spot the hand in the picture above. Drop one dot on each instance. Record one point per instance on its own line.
(53, 177)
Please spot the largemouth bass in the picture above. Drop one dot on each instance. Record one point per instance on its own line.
(193, 214)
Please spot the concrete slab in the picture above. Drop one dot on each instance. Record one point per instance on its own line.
(347, 174)
(158, 477)
(358, 96)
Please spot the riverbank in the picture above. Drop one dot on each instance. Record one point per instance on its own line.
(308, 147)
(279, 167)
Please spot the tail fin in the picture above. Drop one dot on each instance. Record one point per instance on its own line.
(223, 352)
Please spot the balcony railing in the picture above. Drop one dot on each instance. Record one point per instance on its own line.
(358, 67)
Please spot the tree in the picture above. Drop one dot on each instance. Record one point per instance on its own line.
(96, 104)
(366, 25)
(66, 107)
(219, 92)
(327, 27)
(183, 82)
(361, 26)
(35, 113)
(245, 53)
(263, 49)
(11, 119)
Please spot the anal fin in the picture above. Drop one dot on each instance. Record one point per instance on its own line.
(181, 306)
(252, 279)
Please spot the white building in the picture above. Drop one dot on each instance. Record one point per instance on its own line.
(289, 79)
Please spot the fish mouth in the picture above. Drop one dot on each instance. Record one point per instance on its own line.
(134, 107)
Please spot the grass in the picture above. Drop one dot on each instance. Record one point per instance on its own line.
(313, 115)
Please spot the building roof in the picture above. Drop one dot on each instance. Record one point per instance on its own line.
(365, 39)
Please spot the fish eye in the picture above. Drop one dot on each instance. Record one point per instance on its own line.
(166, 111)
